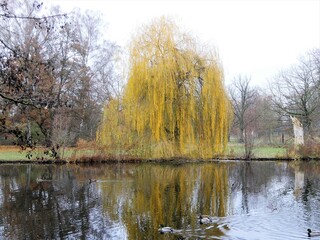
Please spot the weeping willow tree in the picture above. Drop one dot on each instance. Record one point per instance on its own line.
(175, 102)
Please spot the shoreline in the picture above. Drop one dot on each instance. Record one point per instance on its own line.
(177, 160)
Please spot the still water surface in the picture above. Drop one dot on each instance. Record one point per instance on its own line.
(257, 200)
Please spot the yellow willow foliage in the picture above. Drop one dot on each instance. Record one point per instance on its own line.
(163, 194)
(214, 190)
(113, 130)
(175, 98)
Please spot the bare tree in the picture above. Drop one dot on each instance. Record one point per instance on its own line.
(91, 71)
(295, 92)
(26, 81)
(315, 65)
(244, 99)
(51, 73)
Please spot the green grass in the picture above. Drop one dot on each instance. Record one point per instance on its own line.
(16, 154)
(237, 150)
(12, 156)
(267, 151)
(234, 150)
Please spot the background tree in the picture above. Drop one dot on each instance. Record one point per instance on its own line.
(315, 66)
(295, 92)
(87, 71)
(25, 78)
(53, 77)
(244, 100)
(175, 102)
(268, 121)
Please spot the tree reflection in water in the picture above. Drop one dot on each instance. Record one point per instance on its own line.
(50, 209)
(131, 201)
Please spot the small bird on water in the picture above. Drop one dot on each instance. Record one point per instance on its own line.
(205, 219)
(164, 229)
(313, 234)
(92, 180)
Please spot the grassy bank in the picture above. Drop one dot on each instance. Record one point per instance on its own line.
(14, 153)
(234, 150)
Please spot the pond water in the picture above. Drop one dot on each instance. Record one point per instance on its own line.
(256, 200)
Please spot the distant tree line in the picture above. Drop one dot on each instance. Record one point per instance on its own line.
(56, 72)
(293, 92)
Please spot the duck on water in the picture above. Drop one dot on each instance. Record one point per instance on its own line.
(164, 229)
(205, 219)
(312, 234)
(92, 180)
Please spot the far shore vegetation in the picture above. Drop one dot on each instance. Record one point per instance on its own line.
(67, 93)
(85, 153)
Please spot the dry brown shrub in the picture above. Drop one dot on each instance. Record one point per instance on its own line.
(84, 144)
(310, 150)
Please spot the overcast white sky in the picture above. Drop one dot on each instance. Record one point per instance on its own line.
(254, 38)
